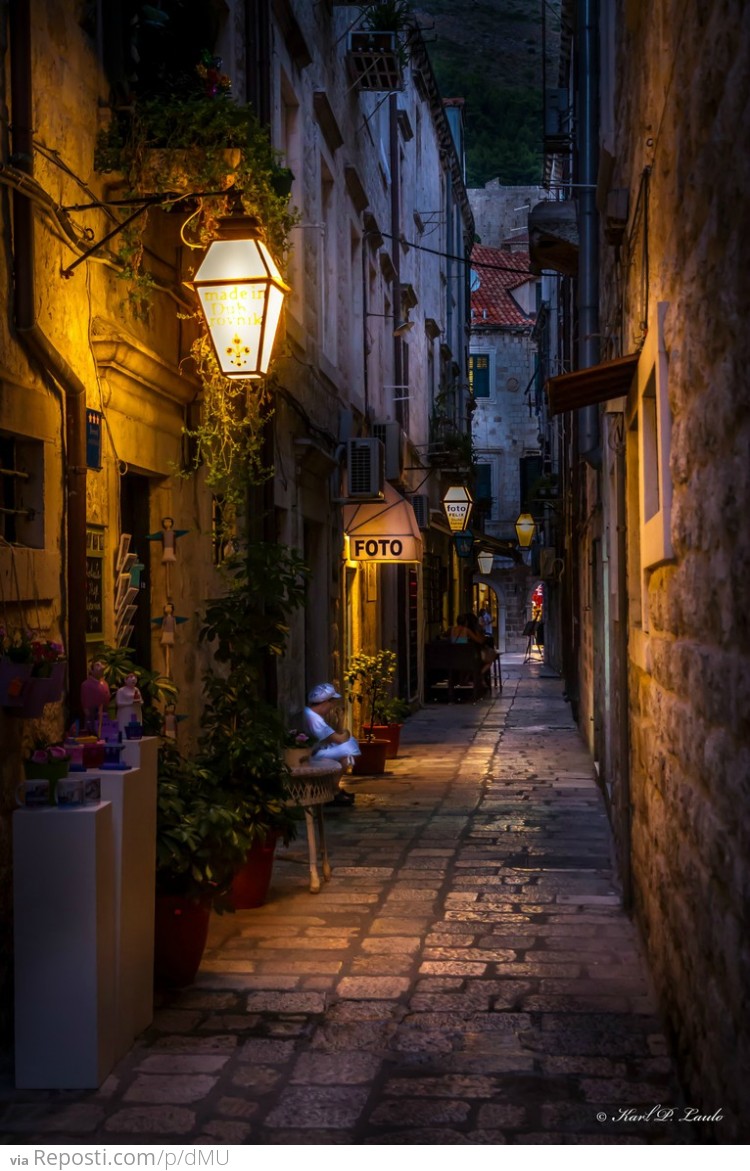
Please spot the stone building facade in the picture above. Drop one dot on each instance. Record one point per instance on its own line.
(662, 661)
(373, 165)
(506, 423)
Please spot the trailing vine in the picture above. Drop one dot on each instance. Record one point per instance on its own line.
(229, 437)
(208, 155)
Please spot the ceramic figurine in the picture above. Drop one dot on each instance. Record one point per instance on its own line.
(168, 537)
(129, 702)
(168, 622)
(171, 722)
(94, 698)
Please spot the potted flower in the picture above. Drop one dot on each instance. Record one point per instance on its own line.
(370, 678)
(47, 761)
(201, 842)
(34, 675)
(15, 666)
(298, 747)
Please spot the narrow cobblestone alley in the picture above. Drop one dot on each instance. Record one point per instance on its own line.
(467, 976)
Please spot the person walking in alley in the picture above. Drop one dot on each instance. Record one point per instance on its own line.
(489, 654)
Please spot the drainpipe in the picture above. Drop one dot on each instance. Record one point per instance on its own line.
(587, 93)
(43, 353)
(396, 237)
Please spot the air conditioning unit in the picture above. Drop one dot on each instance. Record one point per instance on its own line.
(365, 463)
(420, 502)
(392, 438)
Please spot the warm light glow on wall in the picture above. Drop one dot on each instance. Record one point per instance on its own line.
(241, 294)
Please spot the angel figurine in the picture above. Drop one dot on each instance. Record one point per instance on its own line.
(168, 622)
(171, 722)
(168, 535)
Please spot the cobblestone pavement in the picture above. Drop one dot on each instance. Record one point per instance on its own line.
(467, 976)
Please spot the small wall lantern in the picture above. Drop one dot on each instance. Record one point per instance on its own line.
(485, 561)
(241, 294)
(457, 504)
(525, 529)
(464, 543)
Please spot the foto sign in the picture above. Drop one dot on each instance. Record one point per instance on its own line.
(382, 547)
(457, 504)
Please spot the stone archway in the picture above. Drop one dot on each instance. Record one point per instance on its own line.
(499, 592)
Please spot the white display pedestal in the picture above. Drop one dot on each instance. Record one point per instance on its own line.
(64, 917)
(132, 793)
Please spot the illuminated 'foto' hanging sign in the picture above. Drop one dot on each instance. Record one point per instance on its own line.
(457, 504)
(241, 294)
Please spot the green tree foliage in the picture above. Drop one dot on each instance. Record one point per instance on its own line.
(503, 123)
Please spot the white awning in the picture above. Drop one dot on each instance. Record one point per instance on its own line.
(382, 530)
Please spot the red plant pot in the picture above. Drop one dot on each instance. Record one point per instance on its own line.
(389, 732)
(252, 880)
(180, 934)
(371, 761)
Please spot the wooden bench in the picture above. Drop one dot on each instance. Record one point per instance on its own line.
(453, 670)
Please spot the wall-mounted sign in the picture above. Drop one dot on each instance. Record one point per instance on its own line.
(93, 439)
(457, 504)
(94, 582)
(382, 530)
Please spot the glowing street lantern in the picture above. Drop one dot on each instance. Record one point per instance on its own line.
(525, 529)
(457, 504)
(485, 561)
(241, 294)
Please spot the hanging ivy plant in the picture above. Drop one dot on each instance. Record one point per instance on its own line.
(228, 440)
(205, 142)
(206, 153)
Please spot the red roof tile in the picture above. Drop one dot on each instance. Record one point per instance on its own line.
(499, 271)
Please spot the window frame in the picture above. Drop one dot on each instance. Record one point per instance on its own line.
(654, 445)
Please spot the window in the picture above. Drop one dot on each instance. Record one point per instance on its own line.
(654, 436)
(22, 491)
(479, 375)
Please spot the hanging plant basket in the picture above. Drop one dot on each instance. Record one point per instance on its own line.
(38, 691)
(374, 60)
(13, 679)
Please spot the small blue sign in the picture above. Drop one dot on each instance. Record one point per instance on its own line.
(94, 440)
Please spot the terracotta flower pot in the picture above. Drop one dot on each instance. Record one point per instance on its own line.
(372, 758)
(251, 882)
(180, 933)
(389, 732)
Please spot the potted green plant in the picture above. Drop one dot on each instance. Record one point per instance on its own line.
(376, 54)
(242, 739)
(370, 678)
(201, 842)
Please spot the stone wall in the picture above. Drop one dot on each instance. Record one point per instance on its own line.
(682, 96)
(500, 213)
